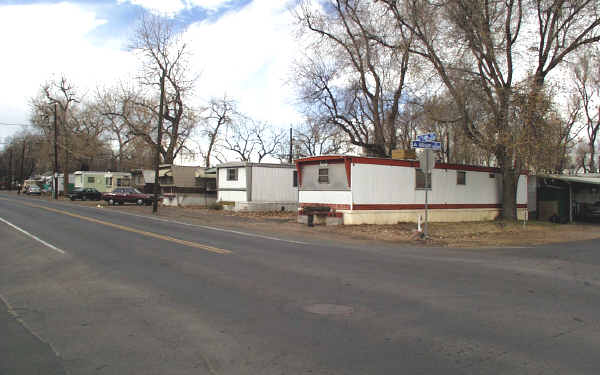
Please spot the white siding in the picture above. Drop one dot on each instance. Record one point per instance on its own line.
(383, 184)
(240, 183)
(331, 197)
(78, 181)
(336, 174)
(273, 185)
(522, 197)
(231, 196)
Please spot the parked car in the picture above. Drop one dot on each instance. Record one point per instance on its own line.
(85, 194)
(127, 195)
(33, 190)
(590, 211)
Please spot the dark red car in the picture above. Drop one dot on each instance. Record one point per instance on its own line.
(127, 195)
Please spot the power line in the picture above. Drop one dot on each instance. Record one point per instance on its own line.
(14, 124)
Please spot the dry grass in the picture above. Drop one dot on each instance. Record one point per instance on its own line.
(479, 234)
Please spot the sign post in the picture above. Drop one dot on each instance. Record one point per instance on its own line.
(426, 162)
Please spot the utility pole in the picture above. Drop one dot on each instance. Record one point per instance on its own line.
(54, 176)
(21, 177)
(291, 141)
(10, 170)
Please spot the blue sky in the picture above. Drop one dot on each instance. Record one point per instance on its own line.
(242, 48)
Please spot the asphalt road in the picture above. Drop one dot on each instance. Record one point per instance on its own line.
(110, 293)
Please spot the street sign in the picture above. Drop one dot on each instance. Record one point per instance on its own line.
(426, 144)
(426, 137)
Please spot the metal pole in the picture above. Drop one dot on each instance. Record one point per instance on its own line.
(10, 170)
(21, 177)
(425, 228)
(291, 140)
(54, 176)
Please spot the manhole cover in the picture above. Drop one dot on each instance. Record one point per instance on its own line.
(329, 309)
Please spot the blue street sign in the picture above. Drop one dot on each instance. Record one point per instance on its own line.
(426, 144)
(426, 137)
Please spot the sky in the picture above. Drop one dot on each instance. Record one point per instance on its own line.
(241, 48)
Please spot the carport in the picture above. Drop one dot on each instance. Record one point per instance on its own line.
(562, 195)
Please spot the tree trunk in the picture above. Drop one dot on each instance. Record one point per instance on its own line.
(158, 144)
(509, 194)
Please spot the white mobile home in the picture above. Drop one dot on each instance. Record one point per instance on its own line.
(90, 179)
(258, 186)
(367, 190)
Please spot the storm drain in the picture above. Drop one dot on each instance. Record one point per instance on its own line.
(329, 309)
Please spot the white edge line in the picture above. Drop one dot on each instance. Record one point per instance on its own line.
(214, 228)
(204, 227)
(32, 236)
(207, 227)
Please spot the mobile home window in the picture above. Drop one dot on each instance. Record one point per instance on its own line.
(232, 174)
(295, 179)
(461, 178)
(91, 180)
(108, 181)
(323, 175)
(420, 179)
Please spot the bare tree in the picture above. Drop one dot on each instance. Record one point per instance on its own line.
(164, 75)
(268, 139)
(476, 47)
(252, 140)
(61, 95)
(110, 107)
(220, 114)
(586, 77)
(315, 138)
(348, 78)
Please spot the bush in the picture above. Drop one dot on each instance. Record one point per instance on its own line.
(215, 206)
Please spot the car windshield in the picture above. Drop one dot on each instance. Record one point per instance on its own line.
(34, 188)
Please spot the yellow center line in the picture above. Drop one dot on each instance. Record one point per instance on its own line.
(130, 229)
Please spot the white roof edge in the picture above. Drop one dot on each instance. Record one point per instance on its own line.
(577, 179)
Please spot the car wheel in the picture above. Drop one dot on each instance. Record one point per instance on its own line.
(111, 202)
(83, 198)
(140, 202)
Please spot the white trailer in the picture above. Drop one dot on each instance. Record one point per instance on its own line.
(368, 190)
(257, 186)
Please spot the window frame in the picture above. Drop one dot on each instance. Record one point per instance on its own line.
(236, 174)
(423, 187)
(462, 181)
(295, 179)
(91, 180)
(323, 178)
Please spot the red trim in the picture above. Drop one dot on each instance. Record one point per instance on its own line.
(299, 169)
(380, 161)
(431, 206)
(382, 207)
(394, 162)
(333, 206)
(317, 159)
